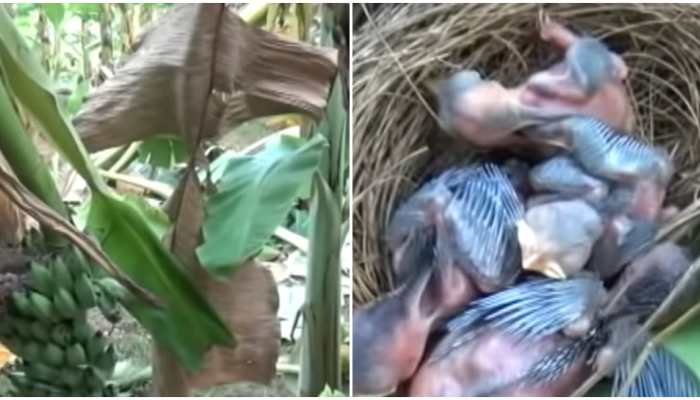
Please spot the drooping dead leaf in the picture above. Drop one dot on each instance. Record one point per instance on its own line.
(248, 302)
(200, 71)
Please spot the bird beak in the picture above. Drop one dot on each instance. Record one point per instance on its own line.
(534, 260)
(546, 267)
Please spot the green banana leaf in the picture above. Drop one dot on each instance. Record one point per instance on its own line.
(685, 343)
(133, 246)
(328, 392)
(55, 12)
(322, 368)
(156, 218)
(320, 363)
(163, 152)
(20, 152)
(254, 195)
(186, 324)
(337, 125)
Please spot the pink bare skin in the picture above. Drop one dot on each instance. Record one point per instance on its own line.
(574, 376)
(390, 335)
(595, 93)
(492, 364)
(487, 114)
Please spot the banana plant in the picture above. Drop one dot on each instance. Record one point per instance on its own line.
(320, 361)
(119, 226)
(270, 180)
(138, 103)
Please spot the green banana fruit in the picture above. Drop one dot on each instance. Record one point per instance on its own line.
(82, 331)
(113, 289)
(18, 346)
(94, 383)
(84, 292)
(21, 302)
(78, 392)
(71, 377)
(65, 304)
(41, 279)
(77, 264)
(22, 327)
(19, 381)
(61, 274)
(107, 305)
(75, 355)
(53, 355)
(41, 306)
(39, 331)
(6, 329)
(62, 334)
(96, 346)
(107, 361)
(42, 372)
(31, 351)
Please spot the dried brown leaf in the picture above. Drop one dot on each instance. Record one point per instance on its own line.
(201, 70)
(248, 302)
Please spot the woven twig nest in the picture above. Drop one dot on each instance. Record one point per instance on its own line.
(400, 50)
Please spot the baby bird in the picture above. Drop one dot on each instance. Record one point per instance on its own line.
(561, 178)
(480, 206)
(411, 231)
(532, 339)
(662, 375)
(588, 82)
(623, 236)
(390, 335)
(556, 238)
(474, 251)
(590, 75)
(537, 307)
(646, 282)
(605, 153)
(482, 219)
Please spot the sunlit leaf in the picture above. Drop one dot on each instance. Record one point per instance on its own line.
(25, 8)
(328, 392)
(55, 12)
(77, 97)
(85, 9)
(253, 198)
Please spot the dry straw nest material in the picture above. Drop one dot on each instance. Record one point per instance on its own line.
(400, 49)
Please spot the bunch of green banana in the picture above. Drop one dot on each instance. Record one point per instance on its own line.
(61, 353)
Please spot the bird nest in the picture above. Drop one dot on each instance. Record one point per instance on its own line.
(401, 50)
